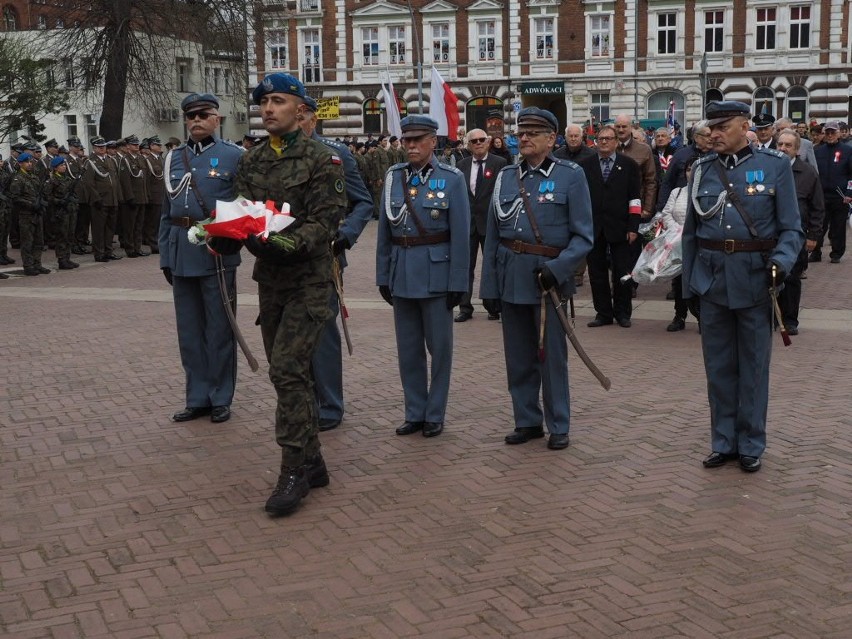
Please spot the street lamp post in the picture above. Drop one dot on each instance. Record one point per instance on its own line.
(419, 67)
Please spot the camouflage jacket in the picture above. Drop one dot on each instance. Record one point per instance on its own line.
(309, 177)
(60, 192)
(25, 192)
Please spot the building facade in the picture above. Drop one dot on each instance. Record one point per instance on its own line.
(38, 24)
(578, 58)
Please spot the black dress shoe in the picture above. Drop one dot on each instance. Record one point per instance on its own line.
(813, 257)
(409, 427)
(792, 330)
(624, 322)
(677, 324)
(599, 321)
(133, 254)
(327, 423)
(220, 414)
(102, 258)
(714, 460)
(188, 414)
(31, 271)
(463, 317)
(494, 316)
(432, 429)
(143, 253)
(523, 435)
(113, 256)
(750, 464)
(558, 442)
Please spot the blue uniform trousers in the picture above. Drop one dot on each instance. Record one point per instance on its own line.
(424, 324)
(206, 340)
(327, 367)
(737, 345)
(527, 375)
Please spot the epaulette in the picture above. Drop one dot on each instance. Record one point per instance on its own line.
(231, 144)
(333, 143)
(449, 167)
(709, 157)
(397, 166)
(566, 163)
(775, 152)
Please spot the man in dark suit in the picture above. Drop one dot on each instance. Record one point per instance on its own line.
(480, 171)
(614, 187)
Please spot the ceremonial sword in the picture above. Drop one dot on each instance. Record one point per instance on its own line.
(229, 311)
(572, 337)
(779, 317)
(344, 313)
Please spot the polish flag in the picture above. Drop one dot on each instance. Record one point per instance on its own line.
(391, 109)
(443, 107)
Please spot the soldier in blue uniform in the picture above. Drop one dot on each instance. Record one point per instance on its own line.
(327, 363)
(539, 230)
(422, 260)
(207, 344)
(741, 236)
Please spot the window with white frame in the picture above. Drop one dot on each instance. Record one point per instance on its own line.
(396, 44)
(660, 102)
(91, 126)
(68, 73)
(800, 27)
(183, 76)
(599, 106)
(277, 47)
(543, 31)
(369, 46)
(797, 104)
(666, 33)
(71, 126)
(714, 31)
(486, 40)
(765, 28)
(764, 100)
(42, 21)
(599, 33)
(311, 56)
(10, 18)
(50, 72)
(441, 42)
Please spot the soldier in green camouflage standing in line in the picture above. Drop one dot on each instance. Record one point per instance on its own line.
(293, 272)
(26, 198)
(60, 194)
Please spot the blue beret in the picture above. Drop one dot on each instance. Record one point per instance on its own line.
(311, 103)
(24, 157)
(533, 116)
(199, 102)
(278, 83)
(717, 112)
(56, 162)
(415, 126)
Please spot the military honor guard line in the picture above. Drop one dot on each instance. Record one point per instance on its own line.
(753, 216)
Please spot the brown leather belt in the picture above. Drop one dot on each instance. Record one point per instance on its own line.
(533, 249)
(420, 240)
(183, 222)
(737, 246)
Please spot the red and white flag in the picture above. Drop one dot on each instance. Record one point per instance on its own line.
(392, 109)
(443, 107)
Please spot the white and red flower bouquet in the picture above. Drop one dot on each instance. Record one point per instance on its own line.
(239, 218)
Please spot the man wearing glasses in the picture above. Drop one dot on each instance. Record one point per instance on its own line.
(676, 175)
(539, 229)
(480, 173)
(197, 174)
(834, 162)
(614, 187)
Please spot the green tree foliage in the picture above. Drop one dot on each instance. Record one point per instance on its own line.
(27, 90)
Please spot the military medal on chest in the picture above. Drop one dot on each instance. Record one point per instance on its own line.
(754, 179)
(214, 163)
(545, 190)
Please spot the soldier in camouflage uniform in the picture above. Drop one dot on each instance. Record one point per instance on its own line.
(26, 198)
(59, 192)
(7, 170)
(294, 274)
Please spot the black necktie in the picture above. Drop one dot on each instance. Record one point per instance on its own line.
(478, 175)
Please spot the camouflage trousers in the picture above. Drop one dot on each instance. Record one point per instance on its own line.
(32, 238)
(64, 221)
(4, 229)
(291, 322)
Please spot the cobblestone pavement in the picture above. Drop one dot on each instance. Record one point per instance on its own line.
(116, 522)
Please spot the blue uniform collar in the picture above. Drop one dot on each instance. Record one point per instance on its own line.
(544, 168)
(201, 146)
(731, 161)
